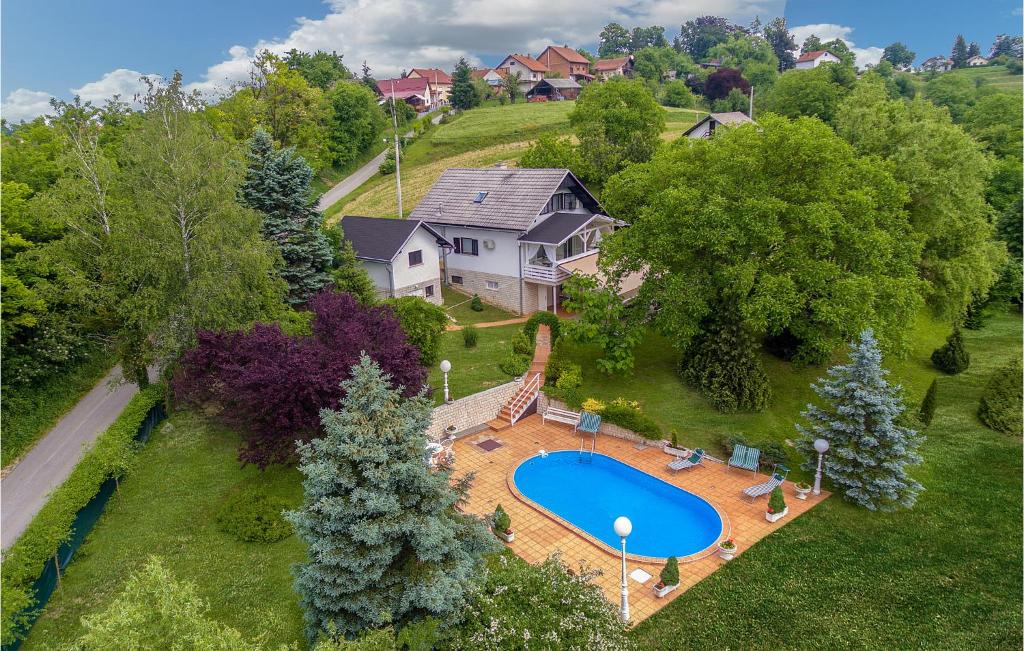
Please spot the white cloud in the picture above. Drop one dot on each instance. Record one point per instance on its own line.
(126, 84)
(830, 31)
(25, 104)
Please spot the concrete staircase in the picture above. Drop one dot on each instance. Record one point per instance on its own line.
(532, 381)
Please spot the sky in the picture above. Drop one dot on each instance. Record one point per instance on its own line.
(63, 48)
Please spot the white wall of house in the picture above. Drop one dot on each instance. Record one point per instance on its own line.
(502, 260)
(525, 73)
(378, 272)
(407, 275)
(703, 131)
(827, 57)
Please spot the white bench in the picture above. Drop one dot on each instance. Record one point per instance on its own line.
(561, 416)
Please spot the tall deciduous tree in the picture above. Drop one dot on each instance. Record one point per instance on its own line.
(782, 42)
(510, 84)
(820, 248)
(277, 184)
(899, 55)
(812, 44)
(613, 41)
(959, 54)
(386, 544)
(604, 319)
(186, 254)
(813, 93)
(274, 385)
(355, 124)
(464, 95)
(945, 172)
(869, 453)
(752, 56)
(320, 69)
(698, 36)
(721, 82)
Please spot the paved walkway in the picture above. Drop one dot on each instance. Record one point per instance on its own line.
(490, 324)
(25, 489)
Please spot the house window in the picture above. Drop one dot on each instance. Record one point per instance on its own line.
(415, 258)
(428, 291)
(480, 196)
(492, 284)
(456, 280)
(570, 247)
(562, 201)
(467, 246)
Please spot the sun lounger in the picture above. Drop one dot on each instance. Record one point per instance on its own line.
(757, 490)
(685, 464)
(744, 457)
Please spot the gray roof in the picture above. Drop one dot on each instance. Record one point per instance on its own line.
(556, 228)
(560, 83)
(515, 197)
(380, 239)
(731, 118)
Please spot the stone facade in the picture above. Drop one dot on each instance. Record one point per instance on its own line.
(466, 413)
(475, 282)
(418, 290)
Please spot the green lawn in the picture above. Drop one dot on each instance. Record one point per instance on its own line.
(456, 304)
(473, 369)
(996, 76)
(514, 122)
(29, 412)
(674, 405)
(943, 575)
(167, 507)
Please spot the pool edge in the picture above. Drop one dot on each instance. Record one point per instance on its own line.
(600, 544)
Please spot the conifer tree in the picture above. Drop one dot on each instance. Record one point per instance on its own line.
(959, 55)
(928, 405)
(386, 545)
(464, 95)
(869, 452)
(277, 184)
(952, 357)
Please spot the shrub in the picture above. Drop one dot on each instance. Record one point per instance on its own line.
(554, 366)
(675, 438)
(521, 345)
(670, 573)
(502, 522)
(593, 405)
(423, 323)
(573, 398)
(952, 357)
(515, 364)
(388, 165)
(470, 335)
(722, 363)
(976, 314)
(627, 414)
(476, 304)
(678, 95)
(571, 377)
(1001, 402)
(549, 319)
(776, 501)
(927, 411)
(772, 453)
(250, 515)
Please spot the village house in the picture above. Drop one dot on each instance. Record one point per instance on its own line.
(605, 69)
(815, 59)
(491, 77)
(706, 126)
(553, 90)
(530, 70)
(937, 64)
(517, 234)
(402, 256)
(566, 62)
(977, 60)
(440, 83)
(413, 91)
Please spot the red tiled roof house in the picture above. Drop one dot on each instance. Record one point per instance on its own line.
(566, 61)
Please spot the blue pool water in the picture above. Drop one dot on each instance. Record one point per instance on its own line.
(667, 521)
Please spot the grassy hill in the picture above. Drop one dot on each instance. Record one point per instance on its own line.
(995, 76)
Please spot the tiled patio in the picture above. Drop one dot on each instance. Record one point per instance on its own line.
(538, 534)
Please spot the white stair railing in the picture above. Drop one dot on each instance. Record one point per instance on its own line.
(524, 398)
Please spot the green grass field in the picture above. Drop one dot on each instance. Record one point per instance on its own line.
(512, 123)
(473, 369)
(995, 76)
(457, 305)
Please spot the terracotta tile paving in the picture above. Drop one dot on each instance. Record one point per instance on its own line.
(538, 534)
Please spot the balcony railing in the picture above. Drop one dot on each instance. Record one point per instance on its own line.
(550, 274)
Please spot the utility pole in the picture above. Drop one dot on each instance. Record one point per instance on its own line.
(398, 151)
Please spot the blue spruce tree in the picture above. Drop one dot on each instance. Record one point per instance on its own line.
(869, 453)
(277, 184)
(386, 545)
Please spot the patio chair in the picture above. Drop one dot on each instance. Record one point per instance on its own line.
(757, 490)
(744, 457)
(692, 461)
(589, 423)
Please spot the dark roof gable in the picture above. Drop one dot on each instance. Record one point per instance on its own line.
(380, 239)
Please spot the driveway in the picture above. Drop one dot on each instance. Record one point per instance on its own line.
(26, 488)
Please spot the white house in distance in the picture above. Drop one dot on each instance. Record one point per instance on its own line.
(402, 256)
(977, 60)
(530, 70)
(517, 233)
(937, 63)
(816, 58)
(705, 127)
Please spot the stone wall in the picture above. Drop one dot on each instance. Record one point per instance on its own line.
(475, 282)
(466, 413)
(543, 402)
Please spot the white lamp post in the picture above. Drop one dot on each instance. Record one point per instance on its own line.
(445, 367)
(623, 527)
(821, 446)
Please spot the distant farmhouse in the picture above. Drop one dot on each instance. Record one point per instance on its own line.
(605, 69)
(566, 62)
(816, 58)
(413, 91)
(440, 82)
(937, 64)
(705, 128)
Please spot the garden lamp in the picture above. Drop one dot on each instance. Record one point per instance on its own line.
(821, 446)
(445, 367)
(623, 527)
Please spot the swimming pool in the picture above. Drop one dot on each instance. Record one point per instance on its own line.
(667, 520)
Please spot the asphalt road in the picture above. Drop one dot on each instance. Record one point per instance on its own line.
(25, 489)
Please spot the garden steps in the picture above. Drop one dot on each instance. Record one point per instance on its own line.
(541, 352)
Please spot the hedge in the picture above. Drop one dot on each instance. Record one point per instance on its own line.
(548, 318)
(24, 561)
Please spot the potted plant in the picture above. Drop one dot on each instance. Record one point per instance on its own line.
(668, 580)
(802, 489)
(727, 549)
(503, 525)
(777, 508)
(674, 448)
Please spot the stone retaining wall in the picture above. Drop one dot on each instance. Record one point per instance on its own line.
(543, 402)
(466, 413)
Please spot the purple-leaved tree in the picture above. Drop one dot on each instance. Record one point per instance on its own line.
(271, 386)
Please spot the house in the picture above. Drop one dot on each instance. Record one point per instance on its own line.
(402, 256)
(567, 62)
(705, 127)
(414, 91)
(440, 82)
(514, 232)
(937, 63)
(977, 60)
(816, 58)
(711, 63)
(491, 77)
(530, 70)
(605, 69)
(553, 90)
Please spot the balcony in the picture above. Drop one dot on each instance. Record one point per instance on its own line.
(542, 274)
